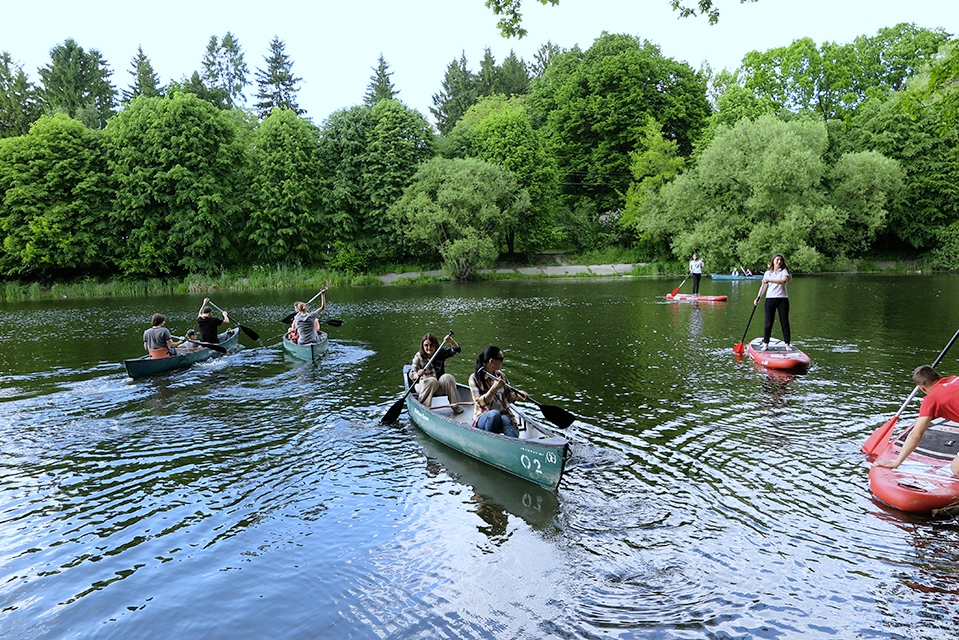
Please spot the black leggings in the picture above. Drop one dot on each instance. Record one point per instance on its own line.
(696, 277)
(771, 305)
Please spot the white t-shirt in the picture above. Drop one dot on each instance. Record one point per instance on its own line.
(696, 266)
(774, 290)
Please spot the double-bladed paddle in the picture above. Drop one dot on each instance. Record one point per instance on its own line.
(676, 290)
(288, 319)
(209, 345)
(871, 446)
(247, 330)
(394, 411)
(557, 415)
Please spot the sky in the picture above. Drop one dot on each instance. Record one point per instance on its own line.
(335, 46)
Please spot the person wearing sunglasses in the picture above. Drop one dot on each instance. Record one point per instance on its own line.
(491, 396)
(431, 377)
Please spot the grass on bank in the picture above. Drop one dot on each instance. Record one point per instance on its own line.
(282, 277)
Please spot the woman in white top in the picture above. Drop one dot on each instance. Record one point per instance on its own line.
(774, 284)
(696, 268)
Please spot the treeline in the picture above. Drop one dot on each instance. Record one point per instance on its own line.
(824, 152)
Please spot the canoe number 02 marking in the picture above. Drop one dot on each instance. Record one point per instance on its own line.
(529, 464)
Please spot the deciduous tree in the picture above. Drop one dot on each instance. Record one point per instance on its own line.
(461, 209)
(54, 214)
(285, 223)
(176, 161)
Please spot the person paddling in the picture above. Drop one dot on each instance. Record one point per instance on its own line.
(491, 397)
(210, 325)
(306, 323)
(941, 401)
(429, 370)
(777, 298)
(158, 340)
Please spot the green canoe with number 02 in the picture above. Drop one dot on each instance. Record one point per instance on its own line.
(537, 455)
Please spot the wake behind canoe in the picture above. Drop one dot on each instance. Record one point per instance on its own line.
(146, 366)
(308, 352)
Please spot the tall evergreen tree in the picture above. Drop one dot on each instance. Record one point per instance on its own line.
(512, 78)
(488, 76)
(459, 94)
(78, 83)
(19, 99)
(381, 87)
(224, 68)
(543, 57)
(145, 80)
(276, 85)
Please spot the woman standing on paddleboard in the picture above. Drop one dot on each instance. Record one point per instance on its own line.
(774, 284)
(696, 268)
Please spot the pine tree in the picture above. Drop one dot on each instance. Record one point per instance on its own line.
(381, 87)
(145, 80)
(459, 94)
(512, 78)
(224, 68)
(78, 83)
(19, 99)
(276, 86)
(487, 78)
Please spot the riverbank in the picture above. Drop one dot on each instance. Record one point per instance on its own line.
(578, 270)
(301, 278)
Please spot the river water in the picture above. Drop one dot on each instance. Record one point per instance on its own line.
(254, 496)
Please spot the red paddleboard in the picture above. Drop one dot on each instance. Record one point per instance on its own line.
(689, 297)
(924, 482)
(777, 356)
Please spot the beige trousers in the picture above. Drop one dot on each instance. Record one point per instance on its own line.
(427, 387)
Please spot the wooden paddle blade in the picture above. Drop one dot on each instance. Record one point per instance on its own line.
(558, 416)
(394, 412)
(333, 323)
(871, 445)
(250, 332)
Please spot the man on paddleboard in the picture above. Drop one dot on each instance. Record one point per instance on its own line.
(941, 401)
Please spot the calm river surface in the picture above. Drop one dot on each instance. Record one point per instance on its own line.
(253, 496)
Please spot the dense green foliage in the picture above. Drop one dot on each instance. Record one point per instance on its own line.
(825, 152)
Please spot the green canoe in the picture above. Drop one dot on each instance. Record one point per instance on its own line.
(729, 276)
(147, 366)
(308, 352)
(537, 455)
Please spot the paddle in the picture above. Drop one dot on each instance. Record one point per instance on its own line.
(871, 445)
(288, 319)
(557, 415)
(740, 349)
(397, 407)
(676, 290)
(209, 345)
(247, 330)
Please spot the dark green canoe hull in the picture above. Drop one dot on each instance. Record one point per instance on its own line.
(308, 352)
(537, 455)
(146, 366)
